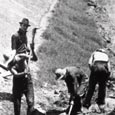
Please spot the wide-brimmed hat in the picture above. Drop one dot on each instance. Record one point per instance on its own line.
(25, 21)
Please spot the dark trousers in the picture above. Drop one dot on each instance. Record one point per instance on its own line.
(76, 105)
(22, 86)
(100, 78)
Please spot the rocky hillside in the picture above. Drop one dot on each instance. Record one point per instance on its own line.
(69, 30)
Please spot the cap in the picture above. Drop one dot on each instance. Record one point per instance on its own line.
(60, 72)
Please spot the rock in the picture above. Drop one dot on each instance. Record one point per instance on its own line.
(92, 3)
(111, 113)
(56, 92)
(39, 109)
(109, 104)
(36, 112)
(94, 108)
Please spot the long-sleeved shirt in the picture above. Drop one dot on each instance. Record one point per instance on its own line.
(73, 79)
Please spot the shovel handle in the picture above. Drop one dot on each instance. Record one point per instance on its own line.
(3, 67)
(71, 106)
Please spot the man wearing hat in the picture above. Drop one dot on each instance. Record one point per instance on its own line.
(73, 77)
(22, 81)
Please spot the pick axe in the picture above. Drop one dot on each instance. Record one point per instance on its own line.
(32, 50)
(33, 44)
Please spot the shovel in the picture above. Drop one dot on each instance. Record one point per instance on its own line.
(71, 106)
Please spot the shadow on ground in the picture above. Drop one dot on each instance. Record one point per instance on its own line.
(49, 112)
(54, 112)
(6, 96)
(111, 113)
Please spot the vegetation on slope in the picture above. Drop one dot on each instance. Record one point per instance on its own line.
(70, 38)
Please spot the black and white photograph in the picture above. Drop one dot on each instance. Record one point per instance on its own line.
(57, 57)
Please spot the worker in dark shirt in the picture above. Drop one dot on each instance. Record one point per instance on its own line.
(18, 65)
(73, 77)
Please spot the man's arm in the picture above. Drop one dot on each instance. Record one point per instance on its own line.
(109, 66)
(16, 74)
(11, 58)
(13, 47)
(91, 59)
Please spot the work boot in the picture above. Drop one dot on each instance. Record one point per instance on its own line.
(102, 108)
(94, 108)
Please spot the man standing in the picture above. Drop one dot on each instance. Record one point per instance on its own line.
(18, 64)
(73, 77)
(100, 70)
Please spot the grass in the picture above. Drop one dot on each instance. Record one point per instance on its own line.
(70, 39)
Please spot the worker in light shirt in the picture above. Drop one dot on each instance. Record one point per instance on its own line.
(100, 71)
(101, 56)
